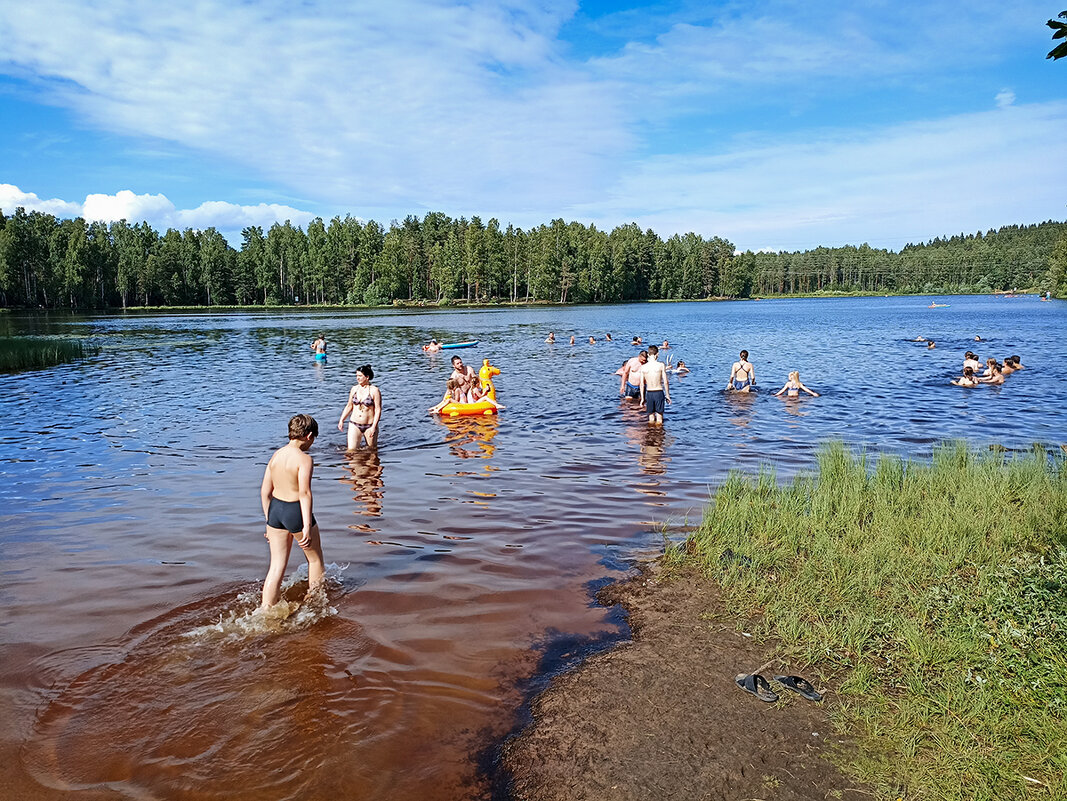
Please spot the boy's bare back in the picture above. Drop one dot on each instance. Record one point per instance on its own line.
(286, 466)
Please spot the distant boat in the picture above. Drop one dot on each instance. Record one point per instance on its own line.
(938, 305)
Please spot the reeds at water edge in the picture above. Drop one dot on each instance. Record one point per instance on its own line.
(29, 353)
(931, 595)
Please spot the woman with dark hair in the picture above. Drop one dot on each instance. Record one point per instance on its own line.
(742, 375)
(363, 410)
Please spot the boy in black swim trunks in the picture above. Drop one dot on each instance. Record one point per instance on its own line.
(286, 497)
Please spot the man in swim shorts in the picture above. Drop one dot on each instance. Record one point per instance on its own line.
(630, 375)
(286, 497)
(655, 391)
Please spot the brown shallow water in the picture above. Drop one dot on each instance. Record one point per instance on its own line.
(462, 554)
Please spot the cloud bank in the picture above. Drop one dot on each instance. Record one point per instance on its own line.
(156, 210)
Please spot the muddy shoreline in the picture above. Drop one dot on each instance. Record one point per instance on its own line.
(659, 715)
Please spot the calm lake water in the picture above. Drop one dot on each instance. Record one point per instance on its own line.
(462, 554)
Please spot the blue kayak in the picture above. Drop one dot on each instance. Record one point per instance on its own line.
(460, 344)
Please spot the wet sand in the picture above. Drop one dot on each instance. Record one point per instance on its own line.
(661, 717)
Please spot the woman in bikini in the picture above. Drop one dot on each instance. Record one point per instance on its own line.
(363, 410)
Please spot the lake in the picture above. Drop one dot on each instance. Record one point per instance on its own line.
(463, 554)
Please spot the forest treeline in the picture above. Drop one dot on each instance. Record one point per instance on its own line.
(71, 263)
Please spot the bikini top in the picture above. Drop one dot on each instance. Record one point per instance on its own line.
(367, 401)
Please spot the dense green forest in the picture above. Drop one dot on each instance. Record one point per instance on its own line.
(70, 263)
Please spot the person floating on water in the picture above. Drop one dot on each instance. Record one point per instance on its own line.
(930, 344)
(681, 369)
(286, 498)
(655, 388)
(608, 338)
(592, 341)
(742, 375)
(636, 341)
(665, 346)
(363, 410)
(432, 347)
(319, 346)
(793, 386)
(551, 338)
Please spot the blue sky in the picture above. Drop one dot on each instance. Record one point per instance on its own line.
(775, 125)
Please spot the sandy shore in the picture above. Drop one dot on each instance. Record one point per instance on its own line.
(661, 717)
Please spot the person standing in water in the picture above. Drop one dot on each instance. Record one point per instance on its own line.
(742, 375)
(655, 390)
(363, 410)
(286, 497)
(319, 346)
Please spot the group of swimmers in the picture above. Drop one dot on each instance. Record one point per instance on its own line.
(995, 372)
(551, 338)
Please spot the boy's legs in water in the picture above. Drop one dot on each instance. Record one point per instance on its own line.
(316, 564)
(281, 542)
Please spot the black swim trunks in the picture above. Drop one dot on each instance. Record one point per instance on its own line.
(654, 401)
(633, 390)
(286, 515)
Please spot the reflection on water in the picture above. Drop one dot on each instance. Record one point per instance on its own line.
(133, 661)
(365, 474)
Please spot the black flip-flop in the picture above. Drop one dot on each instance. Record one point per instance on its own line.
(800, 686)
(758, 686)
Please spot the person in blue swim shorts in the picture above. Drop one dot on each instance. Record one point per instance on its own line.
(655, 391)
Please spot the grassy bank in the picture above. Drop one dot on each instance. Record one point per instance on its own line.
(29, 353)
(935, 593)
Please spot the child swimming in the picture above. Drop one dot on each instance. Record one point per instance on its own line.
(793, 386)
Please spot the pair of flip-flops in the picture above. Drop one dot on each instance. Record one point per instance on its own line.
(757, 685)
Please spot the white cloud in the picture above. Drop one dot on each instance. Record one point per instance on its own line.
(1005, 97)
(157, 210)
(11, 197)
(910, 182)
(400, 103)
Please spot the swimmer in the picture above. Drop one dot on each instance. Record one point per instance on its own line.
(977, 338)
(794, 385)
(433, 347)
(450, 386)
(608, 338)
(930, 345)
(655, 388)
(592, 341)
(363, 410)
(967, 379)
(286, 498)
(665, 346)
(572, 339)
(919, 339)
(742, 375)
(681, 368)
(319, 346)
(1007, 368)
(636, 341)
(630, 375)
(971, 360)
(993, 374)
(551, 338)
(1015, 363)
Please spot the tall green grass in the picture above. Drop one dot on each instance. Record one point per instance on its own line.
(28, 353)
(934, 594)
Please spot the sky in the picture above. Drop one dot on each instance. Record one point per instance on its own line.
(774, 125)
